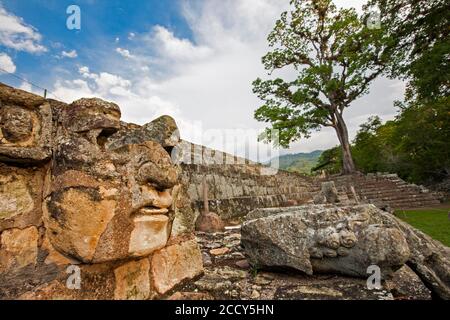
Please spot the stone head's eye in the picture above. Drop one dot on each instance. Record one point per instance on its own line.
(102, 138)
(16, 124)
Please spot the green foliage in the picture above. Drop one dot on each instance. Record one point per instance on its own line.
(330, 161)
(335, 57)
(373, 146)
(416, 145)
(423, 140)
(421, 44)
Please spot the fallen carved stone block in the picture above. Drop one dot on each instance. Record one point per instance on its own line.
(343, 240)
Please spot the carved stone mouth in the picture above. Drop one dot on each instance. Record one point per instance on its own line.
(151, 210)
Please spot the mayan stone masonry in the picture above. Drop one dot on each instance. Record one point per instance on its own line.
(90, 207)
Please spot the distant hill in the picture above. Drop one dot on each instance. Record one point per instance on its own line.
(299, 162)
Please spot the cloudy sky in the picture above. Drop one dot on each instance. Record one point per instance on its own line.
(192, 59)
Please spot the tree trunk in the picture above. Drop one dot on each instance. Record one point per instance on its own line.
(348, 166)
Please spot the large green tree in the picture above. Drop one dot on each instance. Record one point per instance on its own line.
(335, 57)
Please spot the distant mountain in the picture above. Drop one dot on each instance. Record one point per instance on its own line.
(299, 162)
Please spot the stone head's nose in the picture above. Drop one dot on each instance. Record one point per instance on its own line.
(161, 176)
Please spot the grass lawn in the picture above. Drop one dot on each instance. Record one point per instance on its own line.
(433, 221)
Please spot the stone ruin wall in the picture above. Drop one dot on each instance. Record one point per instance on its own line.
(237, 186)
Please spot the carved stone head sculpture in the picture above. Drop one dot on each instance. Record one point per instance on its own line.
(78, 186)
(107, 199)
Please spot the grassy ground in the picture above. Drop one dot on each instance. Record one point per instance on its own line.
(433, 221)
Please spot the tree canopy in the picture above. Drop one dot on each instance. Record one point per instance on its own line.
(420, 45)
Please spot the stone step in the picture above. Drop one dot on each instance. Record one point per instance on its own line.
(396, 194)
(412, 204)
(399, 199)
(390, 189)
(385, 187)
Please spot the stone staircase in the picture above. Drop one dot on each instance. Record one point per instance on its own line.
(381, 189)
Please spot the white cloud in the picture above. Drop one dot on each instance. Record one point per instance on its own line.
(170, 47)
(26, 86)
(69, 54)
(83, 70)
(103, 84)
(73, 90)
(16, 34)
(6, 63)
(357, 4)
(205, 83)
(124, 53)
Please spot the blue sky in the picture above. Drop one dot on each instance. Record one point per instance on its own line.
(103, 22)
(192, 59)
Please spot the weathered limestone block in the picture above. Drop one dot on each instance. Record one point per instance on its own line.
(175, 264)
(184, 216)
(77, 218)
(89, 114)
(429, 259)
(162, 130)
(18, 248)
(20, 196)
(150, 233)
(328, 194)
(96, 282)
(25, 126)
(344, 240)
(15, 197)
(133, 281)
(54, 257)
(324, 239)
(407, 285)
